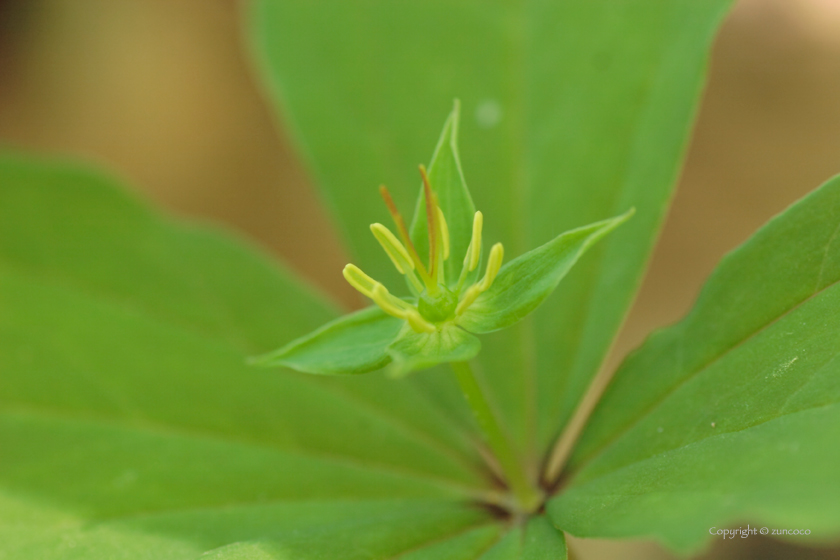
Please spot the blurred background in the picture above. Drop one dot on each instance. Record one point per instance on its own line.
(162, 93)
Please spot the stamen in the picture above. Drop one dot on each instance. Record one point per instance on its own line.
(418, 323)
(395, 250)
(359, 280)
(474, 250)
(444, 232)
(406, 238)
(469, 297)
(430, 220)
(389, 304)
(494, 263)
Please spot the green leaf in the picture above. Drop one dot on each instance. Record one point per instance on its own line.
(468, 544)
(542, 540)
(447, 181)
(526, 281)
(130, 423)
(537, 539)
(302, 530)
(414, 351)
(731, 414)
(354, 343)
(356, 531)
(572, 111)
(70, 224)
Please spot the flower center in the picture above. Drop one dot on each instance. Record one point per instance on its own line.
(440, 307)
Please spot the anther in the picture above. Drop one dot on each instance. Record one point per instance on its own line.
(392, 246)
(474, 250)
(406, 238)
(388, 303)
(494, 263)
(359, 280)
(469, 297)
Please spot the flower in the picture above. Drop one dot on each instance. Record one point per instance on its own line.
(440, 301)
(437, 323)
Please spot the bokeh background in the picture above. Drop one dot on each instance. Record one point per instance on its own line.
(162, 92)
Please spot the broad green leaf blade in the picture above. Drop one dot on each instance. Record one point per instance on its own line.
(536, 540)
(354, 343)
(542, 540)
(71, 353)
(240, 551)
(778, 474)
(383, 533)
(509, 547)
(125, 393)
(572, 111)
(745, 386)
(447, 181)
(414, 351)
(110, 471)
(469, 544)
(259, 530)
(526, 281)
(68, 223)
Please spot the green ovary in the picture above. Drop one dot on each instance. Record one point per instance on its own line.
(440, 307)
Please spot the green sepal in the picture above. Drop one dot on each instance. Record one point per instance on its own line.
(525, 282)
(414, 351)
(447, 181)
(354, 343)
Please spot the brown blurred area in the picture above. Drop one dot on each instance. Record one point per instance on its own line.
(162, 93)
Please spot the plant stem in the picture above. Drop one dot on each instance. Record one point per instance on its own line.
(527, 494)
(566, 442)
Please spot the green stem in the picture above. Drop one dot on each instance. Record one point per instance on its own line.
(528, 496)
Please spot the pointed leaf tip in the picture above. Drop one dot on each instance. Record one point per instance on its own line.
(524, 283)
(354, 343)
(446, 180)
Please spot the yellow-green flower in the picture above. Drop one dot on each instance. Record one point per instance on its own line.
(447, 303)
(440, 300)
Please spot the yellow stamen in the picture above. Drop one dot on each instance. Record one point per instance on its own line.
(494, 263)
(359, 280)
(469, 297)
(418, 323)
(406, 238)
(392, 246)
(389, 304)
(474, 250)
(444, 233)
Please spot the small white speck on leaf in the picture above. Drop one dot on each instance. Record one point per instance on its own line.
(126, 478)
(660, 429)
(488, 113)
(784, 367)
(713, 424)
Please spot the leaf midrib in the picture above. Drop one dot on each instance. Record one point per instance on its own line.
(228, 507)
